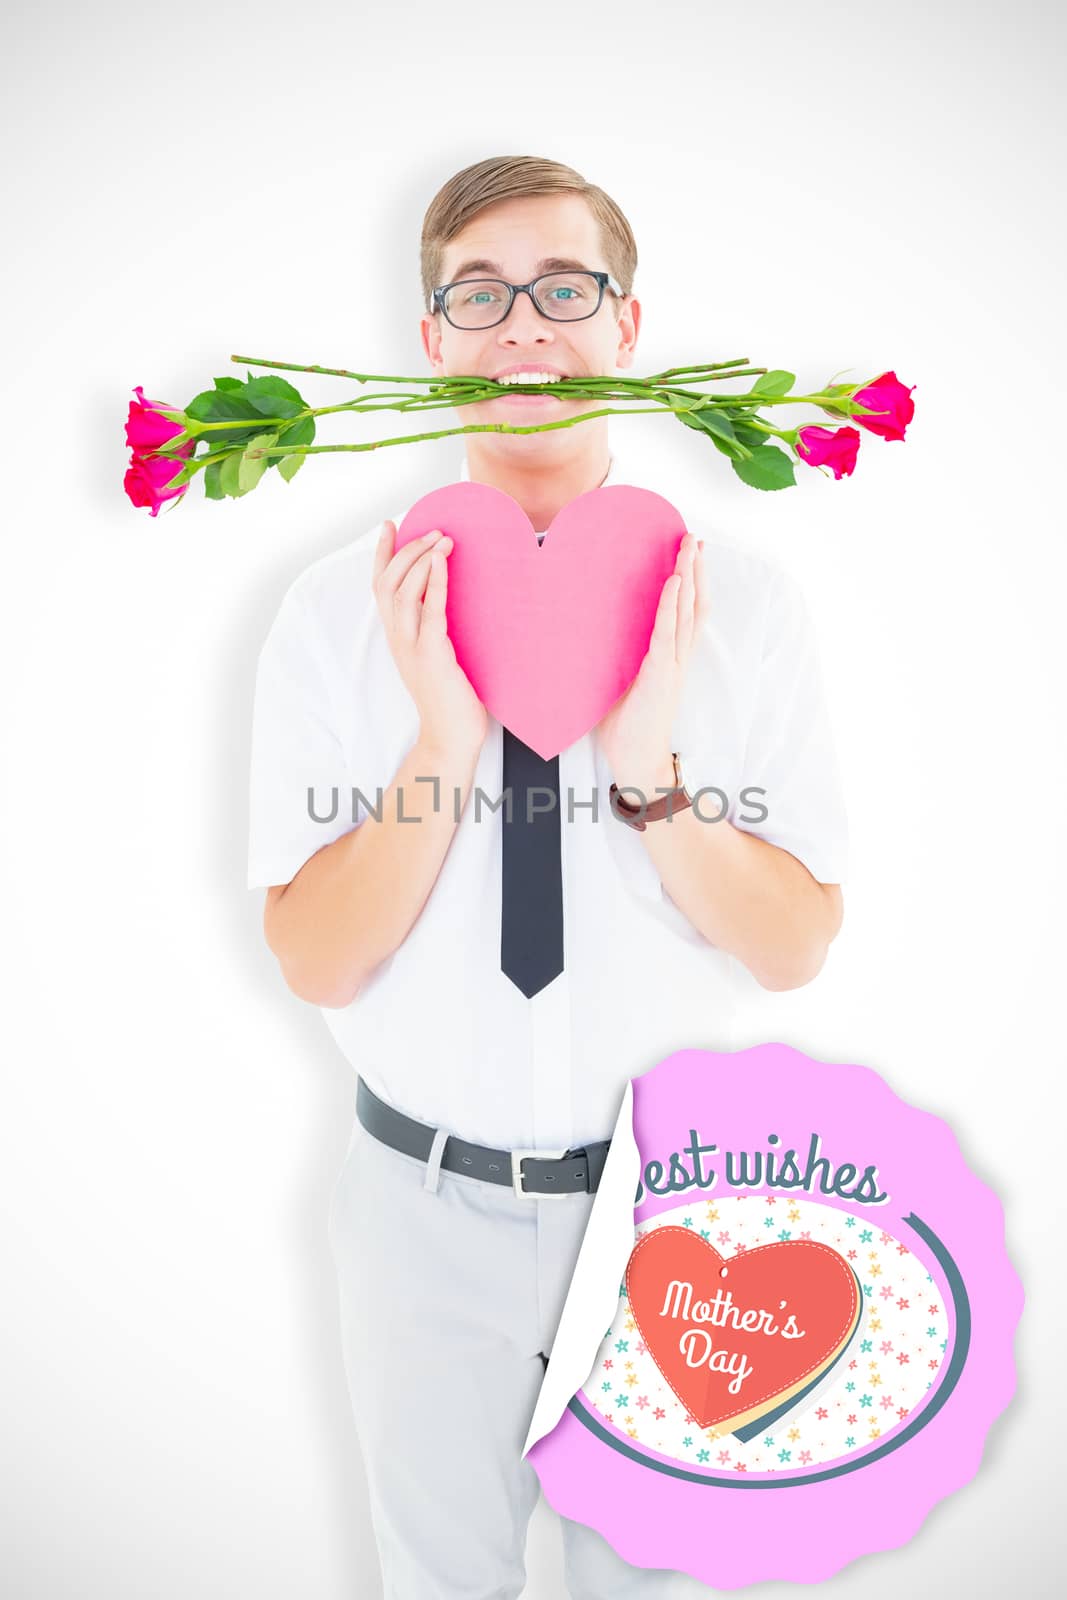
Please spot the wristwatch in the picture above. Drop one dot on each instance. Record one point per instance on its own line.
(636, 816)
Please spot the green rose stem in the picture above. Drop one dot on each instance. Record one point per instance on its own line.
(700, 402)
(459, 390)
(254, 452)
(706, 402)
(375, 377)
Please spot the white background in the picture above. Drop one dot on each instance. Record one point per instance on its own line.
(820, 187)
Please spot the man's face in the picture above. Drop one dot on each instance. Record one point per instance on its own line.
(510, 239)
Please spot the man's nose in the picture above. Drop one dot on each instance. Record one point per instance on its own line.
(524, 320)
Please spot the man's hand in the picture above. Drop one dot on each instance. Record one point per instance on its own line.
(411, 588)
(636, 733)
(745, 895)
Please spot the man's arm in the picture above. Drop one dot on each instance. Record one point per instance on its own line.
(745, 895)
(355, 901)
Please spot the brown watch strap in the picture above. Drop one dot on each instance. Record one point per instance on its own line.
(636, 816)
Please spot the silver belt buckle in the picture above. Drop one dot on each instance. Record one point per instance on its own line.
(517, 1157)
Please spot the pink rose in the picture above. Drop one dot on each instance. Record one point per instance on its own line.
(146, 427)
(829, 447)
(891, 397)
(148, 476)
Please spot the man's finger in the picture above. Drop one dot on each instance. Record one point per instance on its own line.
(686, 602)
(406, 598)
(402, 561)
(666, 617)
(433, 607)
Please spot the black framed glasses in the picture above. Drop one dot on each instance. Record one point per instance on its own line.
(562, 296)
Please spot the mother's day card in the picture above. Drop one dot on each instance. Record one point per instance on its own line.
(789, 1328)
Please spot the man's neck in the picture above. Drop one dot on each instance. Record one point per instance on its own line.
(540, 490)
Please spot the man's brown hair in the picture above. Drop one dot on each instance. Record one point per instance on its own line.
(510, 178)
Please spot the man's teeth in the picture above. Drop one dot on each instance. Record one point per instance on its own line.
(529, 377)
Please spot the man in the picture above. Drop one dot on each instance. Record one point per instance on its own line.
(496, 985)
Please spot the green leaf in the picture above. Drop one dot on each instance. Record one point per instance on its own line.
(690, 420)
(754, 438)
(716, 427)
(766, 468)
(707, 421)
(289, 466)
(212, 485)
(774, 382)
(221, 405)
(230, 474)
(272, 396)
(273, 383)
(228, 383)
(300, 432)
(251, 468)
(245, 405)
(717, 422)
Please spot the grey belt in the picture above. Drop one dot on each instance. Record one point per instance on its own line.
(546, 1174)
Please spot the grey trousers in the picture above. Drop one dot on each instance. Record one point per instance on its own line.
(450, 1293)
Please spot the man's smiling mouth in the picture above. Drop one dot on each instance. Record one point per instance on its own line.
(512, 378)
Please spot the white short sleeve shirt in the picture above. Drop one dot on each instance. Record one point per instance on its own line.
(437, 1029)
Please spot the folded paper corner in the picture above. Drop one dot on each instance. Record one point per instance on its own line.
(593, 1295)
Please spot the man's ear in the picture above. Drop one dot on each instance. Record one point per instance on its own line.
(431, 337)
(629, 324)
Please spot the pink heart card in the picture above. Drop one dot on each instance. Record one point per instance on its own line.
(551, 635)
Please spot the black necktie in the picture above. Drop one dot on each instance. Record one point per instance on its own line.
(531, 905)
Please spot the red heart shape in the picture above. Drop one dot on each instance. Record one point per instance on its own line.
(551, 635)
(688, 1302)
